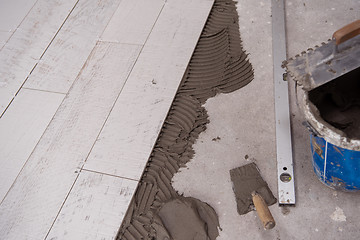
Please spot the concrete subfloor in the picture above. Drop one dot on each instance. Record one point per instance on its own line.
(244, 121)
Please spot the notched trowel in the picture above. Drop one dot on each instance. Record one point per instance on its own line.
(320, 65)
(252, 191)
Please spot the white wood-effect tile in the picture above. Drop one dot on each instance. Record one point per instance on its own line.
(61, 63)
(34, 200)
(129, 135)
(12, 12)
(21, 53)
(94, 209)
(133, 21)
(20, 130)
(4, 36)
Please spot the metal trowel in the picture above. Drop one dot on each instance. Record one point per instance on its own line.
(252, 191)
(320, 65)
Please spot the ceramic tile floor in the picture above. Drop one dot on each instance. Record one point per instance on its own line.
(69, 92)
(85, 87)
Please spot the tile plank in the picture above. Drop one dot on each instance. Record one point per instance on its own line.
(12, 12)
(133, 21)
(20, 130)
(61, 63)
(4, 37)
(129, 135)
(33, 202)
(21, 53)
(94, 209)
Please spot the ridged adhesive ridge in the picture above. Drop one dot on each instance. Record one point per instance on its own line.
(218, 65)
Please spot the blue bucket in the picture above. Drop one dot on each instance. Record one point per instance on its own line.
(328, 93)
(335, 156)
(336, 167)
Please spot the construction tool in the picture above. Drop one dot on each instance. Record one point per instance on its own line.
(252, 191)
(286, 180)
(340, 55)
(327, 92)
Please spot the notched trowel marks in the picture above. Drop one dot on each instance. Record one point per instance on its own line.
(218, 65)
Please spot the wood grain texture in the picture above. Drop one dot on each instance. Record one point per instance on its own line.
(12, 12)
(133, 21)
(94, 209)
(129, 135)
(21, 128)
(61, 63)
(21, 53)
(4, 36)
(33, 202)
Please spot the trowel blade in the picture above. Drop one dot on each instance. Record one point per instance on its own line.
(247, 179)
(318, 66)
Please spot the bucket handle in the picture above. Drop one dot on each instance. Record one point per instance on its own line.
(347, 32)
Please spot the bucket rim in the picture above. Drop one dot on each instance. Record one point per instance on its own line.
(321, 127)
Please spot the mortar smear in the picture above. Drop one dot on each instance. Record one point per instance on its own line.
(218, 65)
(247, 179)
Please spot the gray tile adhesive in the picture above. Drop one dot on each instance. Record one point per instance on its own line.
(218, 65)
(338, 103)
(247, 179)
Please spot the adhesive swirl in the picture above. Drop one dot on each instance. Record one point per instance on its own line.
(218, 65)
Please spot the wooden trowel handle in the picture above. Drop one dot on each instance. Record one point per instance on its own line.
(345, 33)
(263, 211)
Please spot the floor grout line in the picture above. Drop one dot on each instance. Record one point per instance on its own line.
(22, 168)
(102, 127)
(107, 174)
(13, 31)
(121, 43)
(2, 114)
(61, 207)
(27, 77)
(100, 35)
(57, 32)
(41, 90)
(17, 92)
(127, 77)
